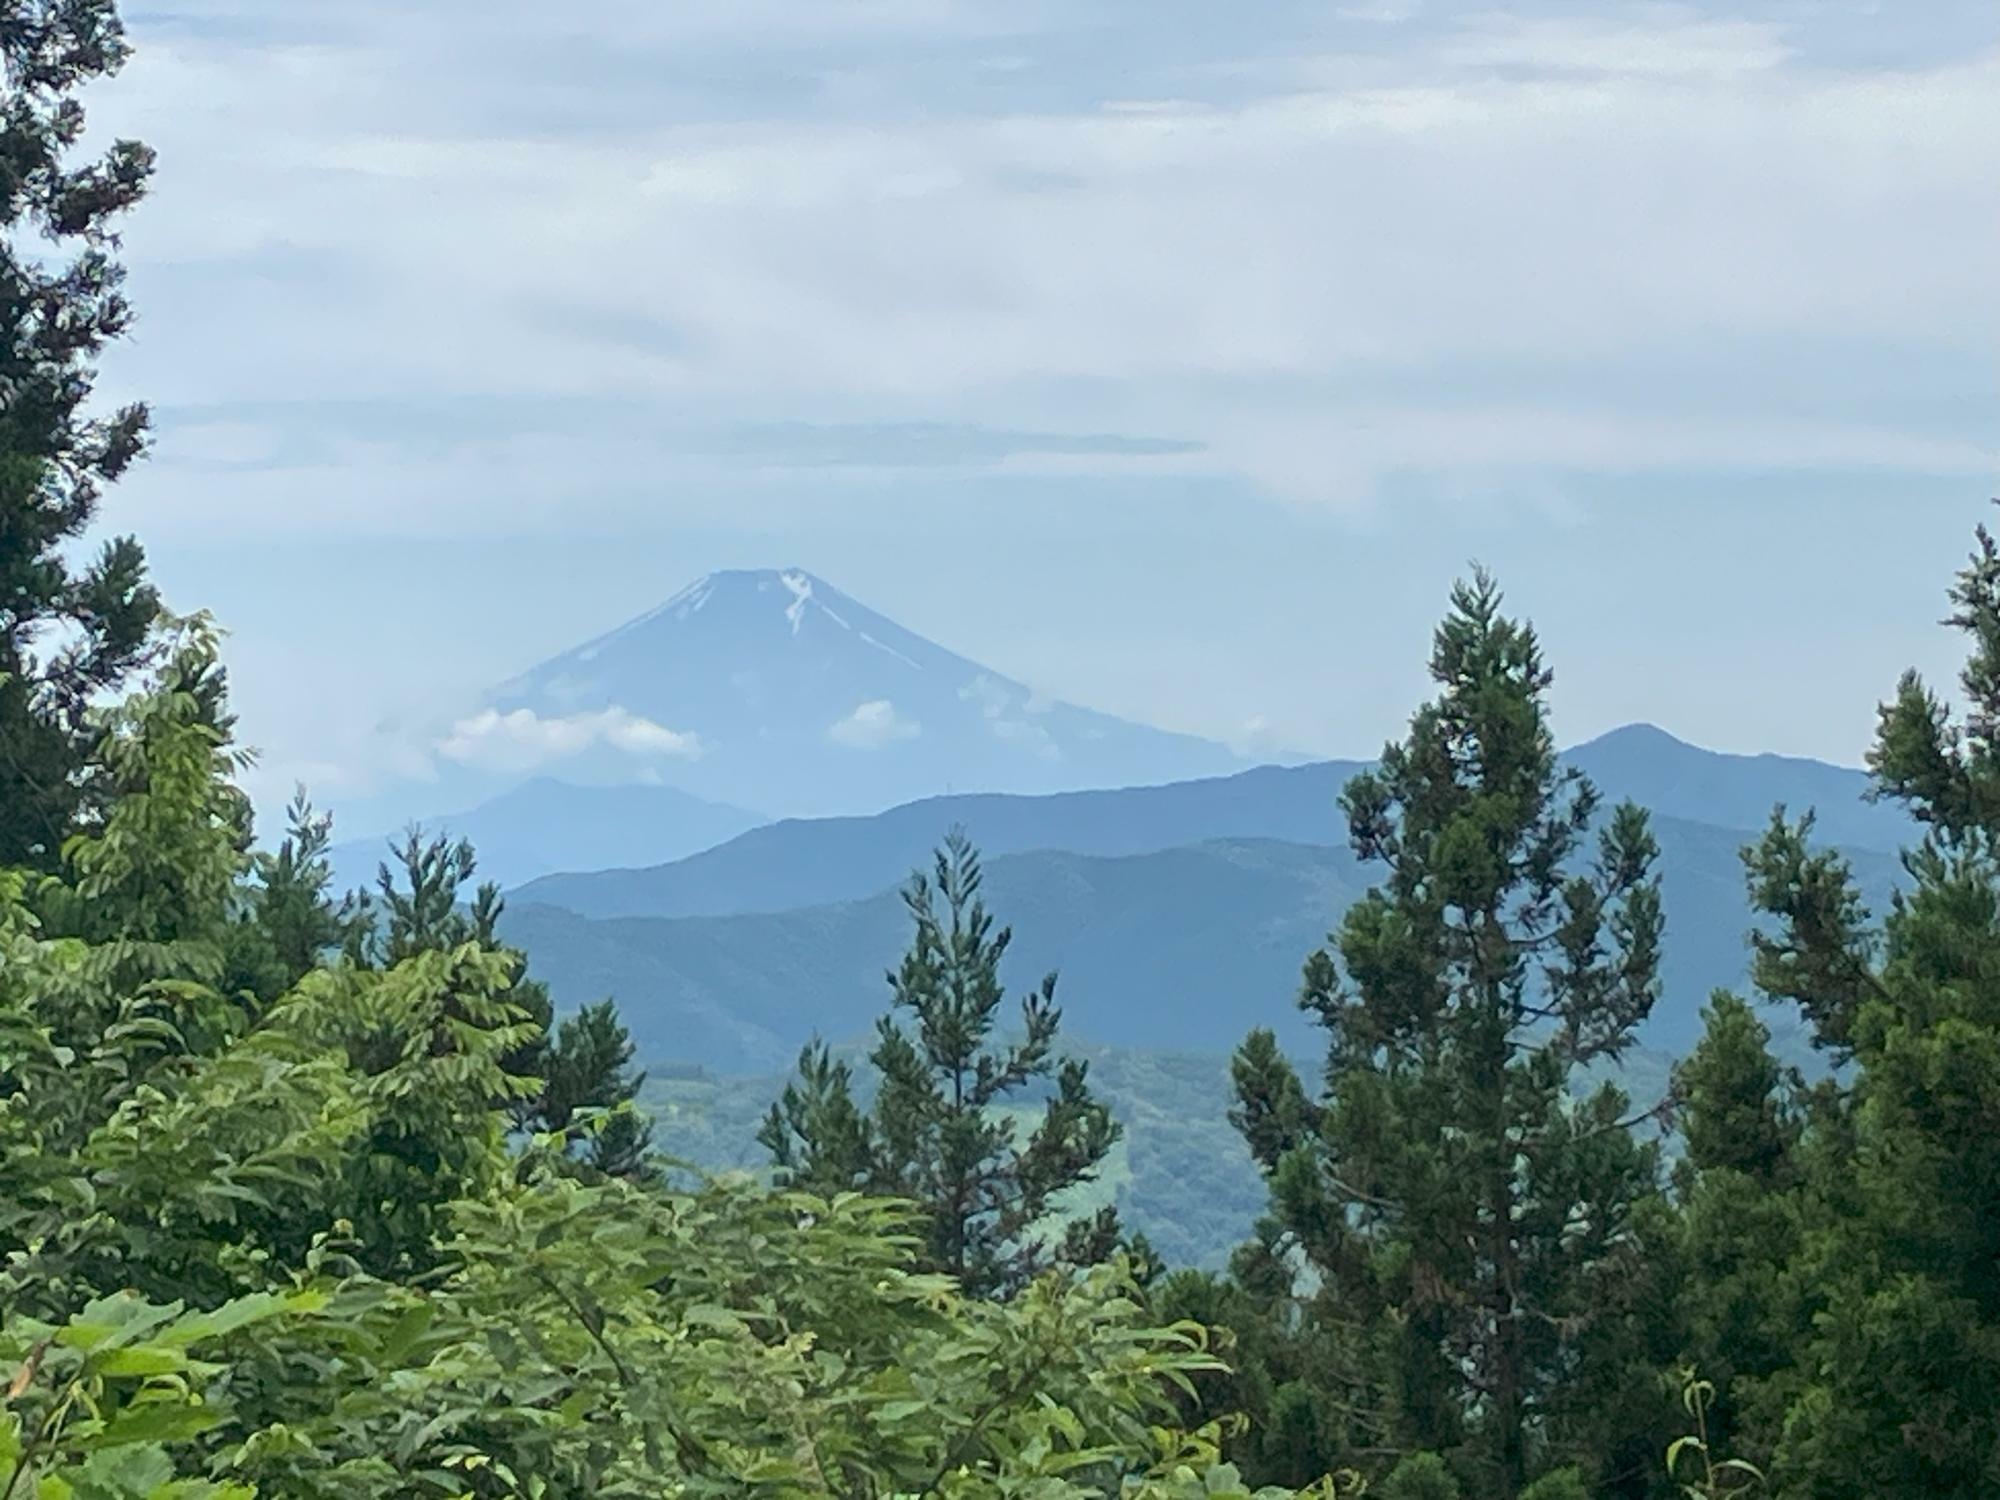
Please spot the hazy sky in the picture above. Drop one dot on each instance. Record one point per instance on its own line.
(1170, 356)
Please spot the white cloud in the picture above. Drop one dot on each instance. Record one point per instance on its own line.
(992, 698)
(1488, 197)
(1663, 41)
(522, 740)
(1255, 734)
(873, 725)
(1031, 737)
(640, 736)
(996, 703)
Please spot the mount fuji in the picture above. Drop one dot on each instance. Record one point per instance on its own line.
(773, 689)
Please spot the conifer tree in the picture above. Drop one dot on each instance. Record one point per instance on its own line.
(1898, 1263)
(1462, 1213)
(71, 632)
(586, 1065)
(937, 1134)
(1293, 1375)
(1743, 1119)
(289, 918)
(583, 1063)
(1734, 1098)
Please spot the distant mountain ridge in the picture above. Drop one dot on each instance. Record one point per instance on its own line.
(1178, 915)
(1651, 767)
(545, 825)
(1183, 949)
(803, 862)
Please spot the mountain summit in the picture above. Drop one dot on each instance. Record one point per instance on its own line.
(772, 688)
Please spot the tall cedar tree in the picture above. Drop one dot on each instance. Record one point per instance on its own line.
(1900, 1257)
(939, 1133)
(584, 1064)
(1466, 1218)
(70, 635)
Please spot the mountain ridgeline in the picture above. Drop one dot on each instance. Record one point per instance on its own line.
(773, 690)
(805, 862)
(1178, 915)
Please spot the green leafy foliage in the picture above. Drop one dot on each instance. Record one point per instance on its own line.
(97, 1401)
(1422, 1476)
(1558, 1484)
(279, 1244)
(1692, 1460)
(584, 1081)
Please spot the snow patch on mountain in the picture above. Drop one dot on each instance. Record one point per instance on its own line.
(802, 591)
(905, 660)
(691, 598)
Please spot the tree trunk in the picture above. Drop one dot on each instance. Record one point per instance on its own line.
(1509, 1378)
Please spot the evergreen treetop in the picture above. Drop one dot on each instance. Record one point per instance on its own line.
(1464, 1216)
(941, 1132)
(1889, 1378)
(70, 634)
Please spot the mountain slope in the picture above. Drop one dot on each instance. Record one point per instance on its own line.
(809, 861)
(1181, 949)
(546, 825)
(1679, 780)
(1182, 1175)
(805, 862)
(774, 689)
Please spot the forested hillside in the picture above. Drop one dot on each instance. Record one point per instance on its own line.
(818, 861)
(1181, 1176)
(1182, 949)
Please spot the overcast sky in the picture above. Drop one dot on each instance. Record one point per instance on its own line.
(1172, 357)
